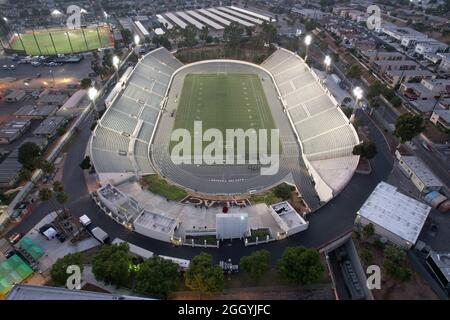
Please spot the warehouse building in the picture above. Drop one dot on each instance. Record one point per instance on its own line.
(12, 130)
(396, 217)
(49, 127)
(35, 112)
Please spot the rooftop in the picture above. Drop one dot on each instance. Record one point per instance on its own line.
(422, 171)
(395, 212)
(156, 221)
(444, 114)
(35, 111)
(49, 125)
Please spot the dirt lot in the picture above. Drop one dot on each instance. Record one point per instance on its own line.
(391, 289)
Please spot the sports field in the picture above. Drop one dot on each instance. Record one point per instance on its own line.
(223, 101)
(65, 41)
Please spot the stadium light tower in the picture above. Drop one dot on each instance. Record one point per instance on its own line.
(115, 63)
(92, 94)
(358, 94)
(56, 13)
(308, 40)
(327, 62)
(137, 41)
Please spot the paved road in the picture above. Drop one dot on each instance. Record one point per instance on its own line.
(326, 224)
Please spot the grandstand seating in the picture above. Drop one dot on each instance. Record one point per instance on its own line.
(141, 99)
(326, 136)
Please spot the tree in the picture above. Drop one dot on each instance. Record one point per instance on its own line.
(256, 264)
(47, 167)
(202, 275)
(62, 198)
(86, 163)
(58, 272)
(368, 231)
(112, 264)
(45, 194)
(85, 83)
(157, 275)
(283, 191)
(189, 36)
(408, 126)
(396, 102)
(395, 263)
(232, 34)
(29, 155)
(269, 32)
(354, 71)
(60, 131)
(204, 33)
(367, 150)
(300, 265)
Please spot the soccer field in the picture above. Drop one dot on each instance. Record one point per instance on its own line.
(223, 101)
(66, 41)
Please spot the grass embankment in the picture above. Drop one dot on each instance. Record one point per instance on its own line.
(158, 185)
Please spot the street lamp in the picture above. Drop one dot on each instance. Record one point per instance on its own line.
(308, 40)
(358, 94)
(5, 19)
(53, 77)
(327, 62)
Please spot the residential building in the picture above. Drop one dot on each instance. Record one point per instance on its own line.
(408, 37)
(430, 46)
(441, 117)
(445, 61)
(396, 77)
(374, 55)
(381, 66)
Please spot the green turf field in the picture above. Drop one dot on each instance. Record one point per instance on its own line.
(66, 41)
(223, 101)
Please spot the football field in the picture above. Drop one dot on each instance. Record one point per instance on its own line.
(223, 101)
(65, 41)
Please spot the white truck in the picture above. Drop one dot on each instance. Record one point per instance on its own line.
(85, 220)
(100, 235)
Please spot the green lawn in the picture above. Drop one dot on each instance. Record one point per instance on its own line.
(66, 41)
(158, 185)
(223, 101)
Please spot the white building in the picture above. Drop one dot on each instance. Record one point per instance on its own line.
(430, 46)
(445, 61)
(231, 225)
(395, 216)
(420, 175)
(405, 35)
(288, 219)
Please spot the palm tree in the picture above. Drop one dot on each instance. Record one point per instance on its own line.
(58, 186)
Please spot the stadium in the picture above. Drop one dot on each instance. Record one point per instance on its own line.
(132, 138)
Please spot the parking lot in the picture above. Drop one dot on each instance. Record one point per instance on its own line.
(23, 76)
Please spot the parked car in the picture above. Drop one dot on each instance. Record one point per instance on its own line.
(426, 146)
(15, 237)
